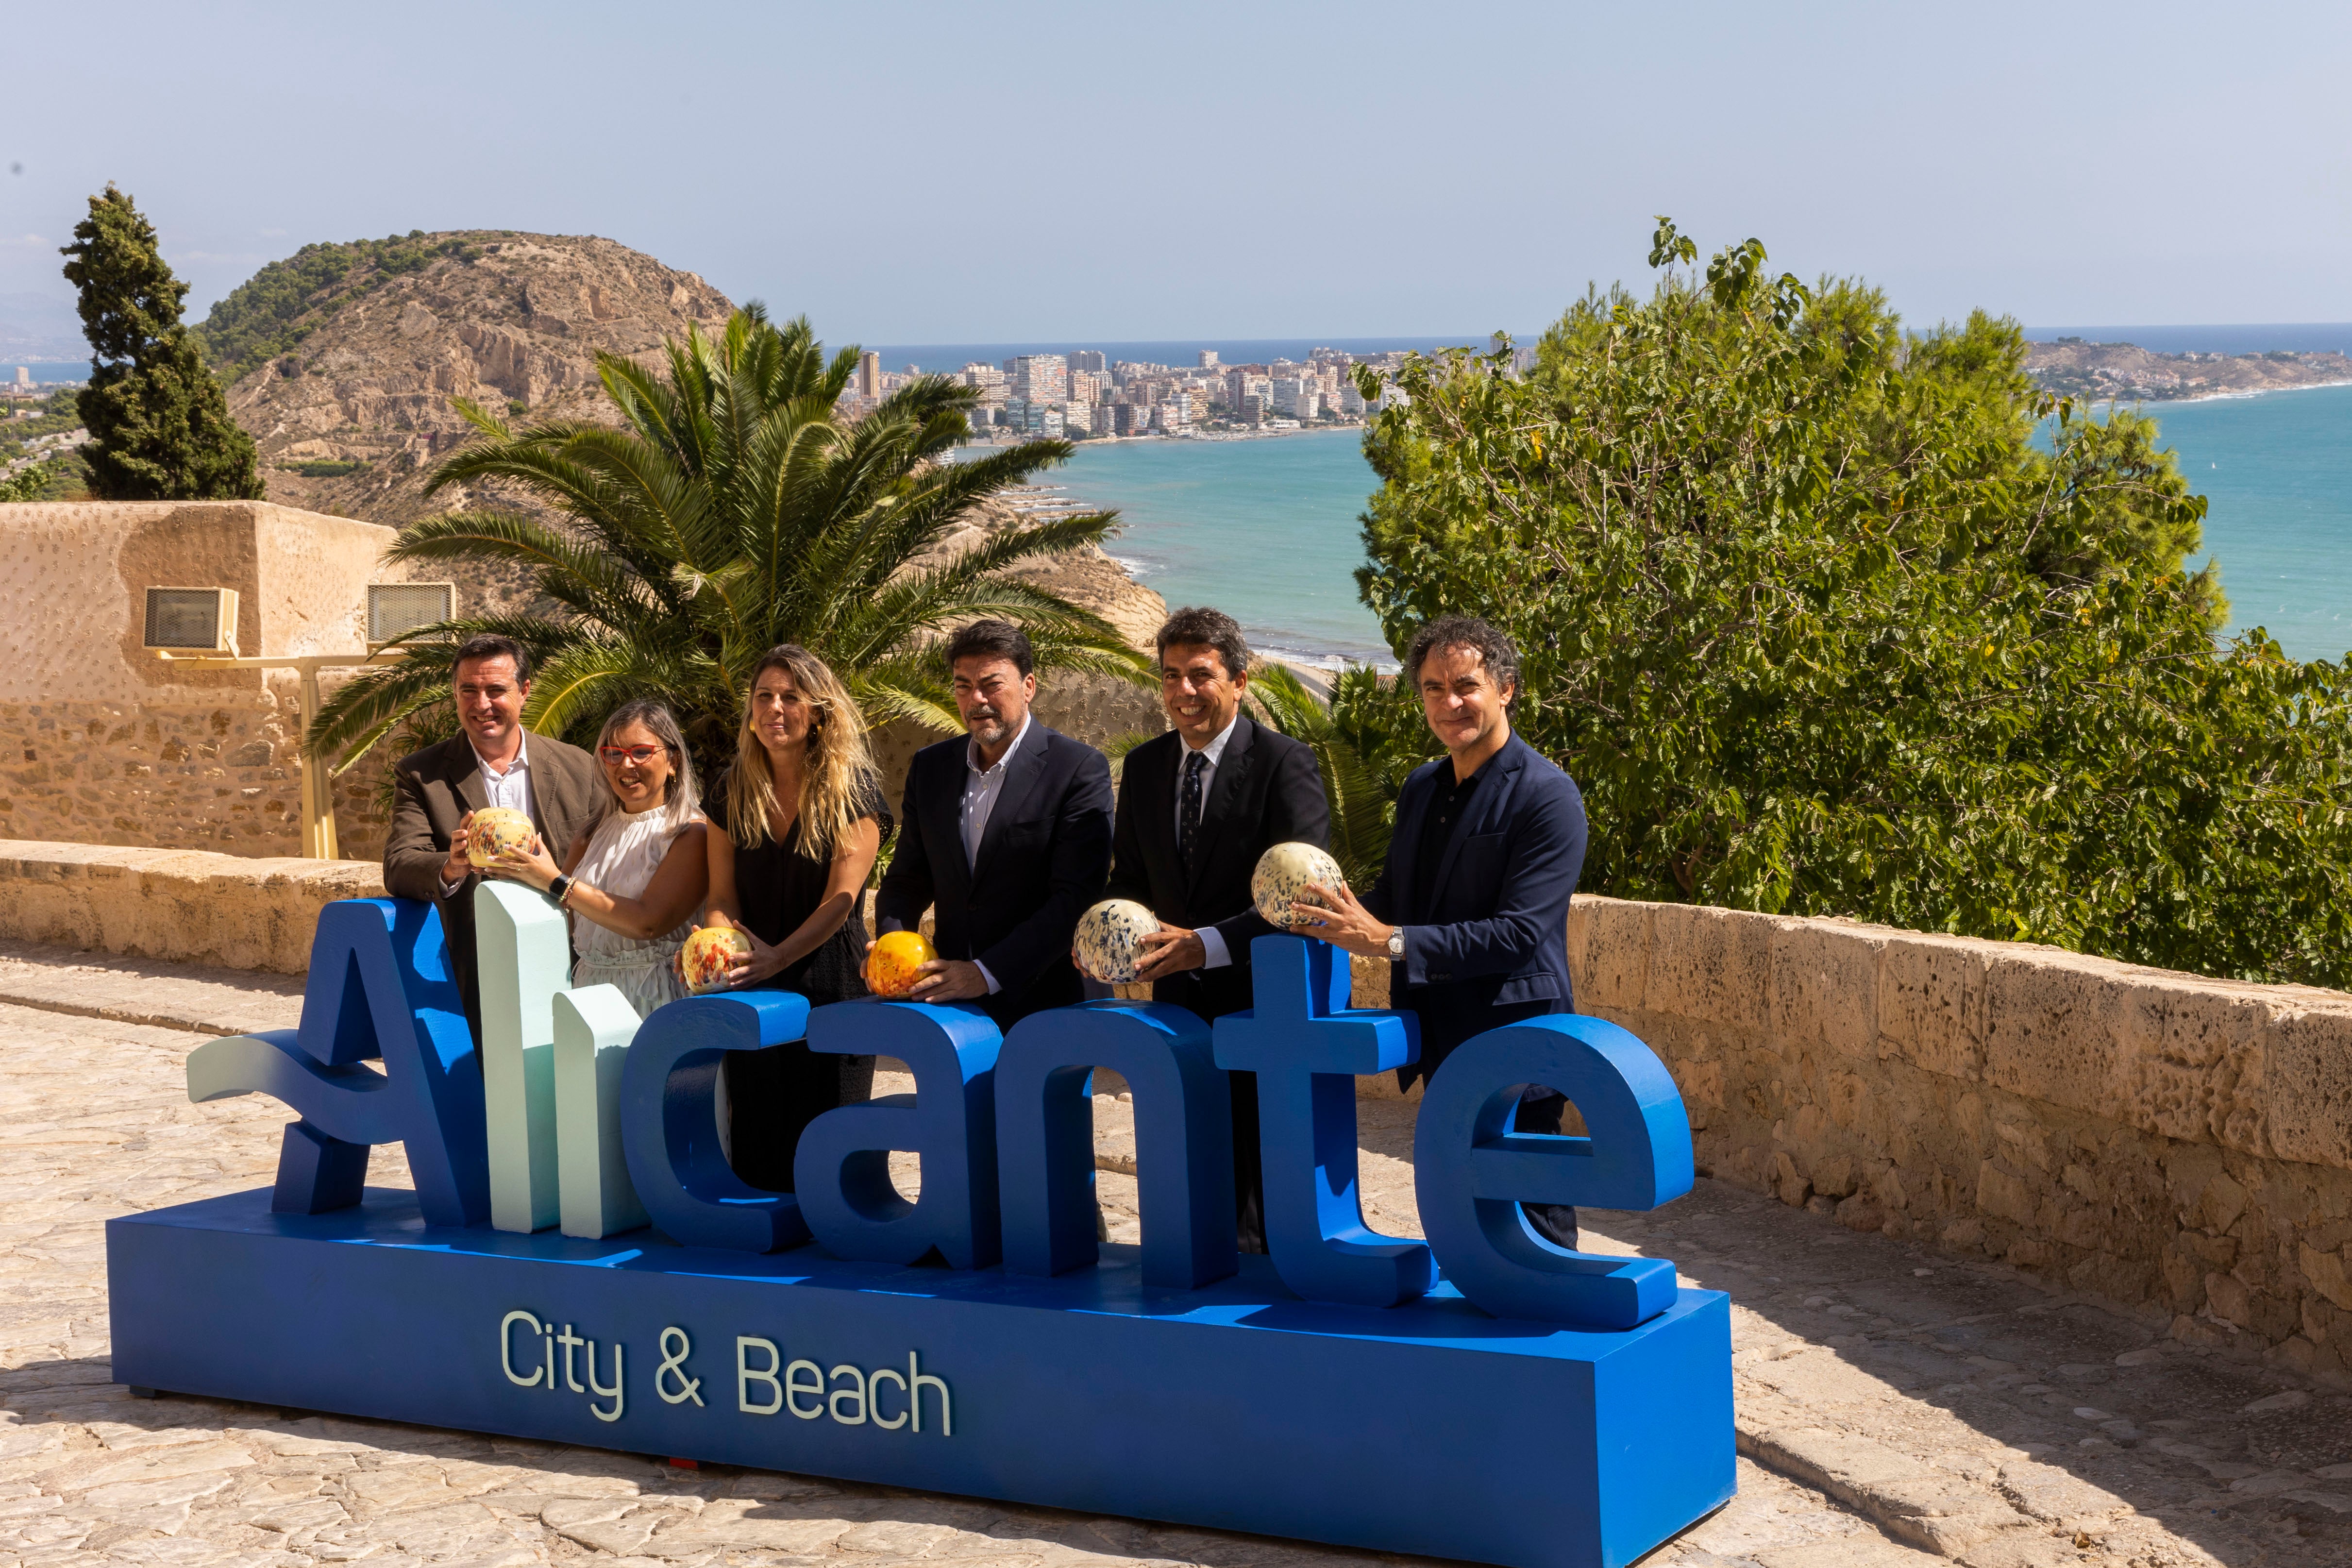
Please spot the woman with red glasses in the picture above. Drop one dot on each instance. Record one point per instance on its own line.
(634, 885)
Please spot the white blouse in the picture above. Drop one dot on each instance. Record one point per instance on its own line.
(621, 860)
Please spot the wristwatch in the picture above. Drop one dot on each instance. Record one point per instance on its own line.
(558, 888)
(1396, 942)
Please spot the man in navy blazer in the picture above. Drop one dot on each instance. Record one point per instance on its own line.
(1197, 807)
(1005, 836)
(1471, 906)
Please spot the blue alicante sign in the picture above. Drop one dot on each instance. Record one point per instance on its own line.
(577, 1263)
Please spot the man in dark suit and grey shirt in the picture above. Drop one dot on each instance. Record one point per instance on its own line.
(489, 762)
(1197, 806)
(1488, 847)
(1005, 837)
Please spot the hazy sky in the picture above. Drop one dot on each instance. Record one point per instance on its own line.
(980, 172)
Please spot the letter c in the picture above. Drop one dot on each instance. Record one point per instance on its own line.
(506, 1347)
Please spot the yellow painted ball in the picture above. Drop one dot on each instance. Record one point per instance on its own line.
(1281, 878)
(496, 828)
(710, 953)
(1109, 940)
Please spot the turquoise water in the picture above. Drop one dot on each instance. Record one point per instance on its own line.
(2277, 471)
(1265, 529)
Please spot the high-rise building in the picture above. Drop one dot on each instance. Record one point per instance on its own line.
(1040, 378)
(23, 375)
(1079, 418)
(1208, 358)
(869, 375)
(1085, 386)
(1089, 359)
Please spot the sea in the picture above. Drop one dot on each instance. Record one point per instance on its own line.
(1267, 528)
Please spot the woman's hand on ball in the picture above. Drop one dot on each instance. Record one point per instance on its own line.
(764, 961)
(529, 864)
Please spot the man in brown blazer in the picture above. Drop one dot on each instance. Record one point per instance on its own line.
(492, 762)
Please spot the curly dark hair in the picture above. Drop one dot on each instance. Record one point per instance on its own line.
(1206, 629)
(1501, 655)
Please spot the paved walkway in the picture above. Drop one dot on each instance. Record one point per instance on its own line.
(1894, 1407)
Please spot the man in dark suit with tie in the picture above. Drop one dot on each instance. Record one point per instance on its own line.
(1472, 907)
(1197, 806)
(489, 762)
(1005, 837)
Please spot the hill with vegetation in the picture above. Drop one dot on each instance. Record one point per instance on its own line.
(345, 360)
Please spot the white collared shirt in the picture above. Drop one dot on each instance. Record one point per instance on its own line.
(511, 789)
(1213, 942)
(982, 786)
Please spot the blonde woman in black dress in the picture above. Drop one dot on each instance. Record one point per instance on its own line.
(796, 825)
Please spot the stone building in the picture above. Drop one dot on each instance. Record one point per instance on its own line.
(103, 742)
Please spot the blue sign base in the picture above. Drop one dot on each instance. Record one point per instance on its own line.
(1428, 1427)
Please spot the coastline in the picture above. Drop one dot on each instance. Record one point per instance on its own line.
(2224, 397)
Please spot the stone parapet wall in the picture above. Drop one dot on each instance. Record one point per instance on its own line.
(2163, 1141)
(2158, 1139)
(191, 906)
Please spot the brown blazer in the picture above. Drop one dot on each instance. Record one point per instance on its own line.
(437, 786)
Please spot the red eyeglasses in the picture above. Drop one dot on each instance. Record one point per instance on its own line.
(615, 755)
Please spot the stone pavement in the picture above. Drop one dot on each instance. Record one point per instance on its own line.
(1894, 1407)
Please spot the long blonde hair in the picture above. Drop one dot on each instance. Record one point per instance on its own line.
(835, 776)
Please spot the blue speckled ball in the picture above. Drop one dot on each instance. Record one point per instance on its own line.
(1109, 940)
(1281, 878)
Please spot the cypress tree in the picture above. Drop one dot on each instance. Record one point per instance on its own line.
(159, 424)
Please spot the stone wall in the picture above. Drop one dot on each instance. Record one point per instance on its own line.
(191, 906)
(2158, 1139)
(102, 742)
(2163, 1141)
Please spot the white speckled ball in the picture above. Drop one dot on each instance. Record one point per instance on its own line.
(1281, 878)
(1109, 940)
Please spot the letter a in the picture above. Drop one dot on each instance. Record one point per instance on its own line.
(379, 986)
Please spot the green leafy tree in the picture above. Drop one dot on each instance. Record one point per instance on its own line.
(158, 421)
(734, 511)
(1822, 626)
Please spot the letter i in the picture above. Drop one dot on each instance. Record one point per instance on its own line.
(551, 1360)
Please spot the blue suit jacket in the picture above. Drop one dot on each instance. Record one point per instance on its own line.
(1496, 933)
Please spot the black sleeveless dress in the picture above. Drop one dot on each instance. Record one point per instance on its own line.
(773, 1095)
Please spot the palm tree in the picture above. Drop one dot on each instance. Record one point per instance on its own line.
(734, 510)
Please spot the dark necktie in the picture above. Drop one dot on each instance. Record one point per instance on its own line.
(1188, 816)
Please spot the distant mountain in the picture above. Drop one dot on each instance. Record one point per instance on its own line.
(2074, 368)
(36, 327)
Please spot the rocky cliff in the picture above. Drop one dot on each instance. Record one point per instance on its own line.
(348, 387)
(352, 419)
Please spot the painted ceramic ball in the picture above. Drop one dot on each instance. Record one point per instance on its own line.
(896, 963)
(1109, 940)
(496, 828)
(1281, 878)
(710, 953)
